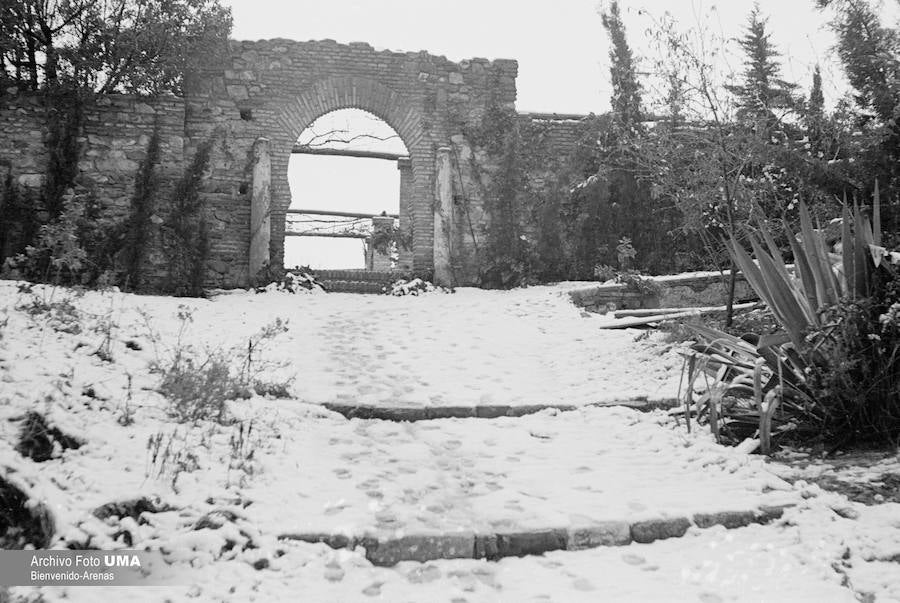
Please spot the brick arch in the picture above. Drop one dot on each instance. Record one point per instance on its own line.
(399, 112)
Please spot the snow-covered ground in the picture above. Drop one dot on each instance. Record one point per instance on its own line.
(290, 466)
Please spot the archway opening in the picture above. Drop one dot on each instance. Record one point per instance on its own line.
(346, 187)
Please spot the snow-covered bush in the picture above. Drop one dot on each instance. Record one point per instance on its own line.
(302, 282)
(414, 286)
(44, 306)
(199, 385)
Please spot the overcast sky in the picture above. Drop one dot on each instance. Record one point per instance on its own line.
(560, 45)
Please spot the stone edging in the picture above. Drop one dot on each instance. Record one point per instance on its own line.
(467, 545)
(491, 411)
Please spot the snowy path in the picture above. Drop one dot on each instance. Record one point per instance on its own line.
(529, 346)
(306, 470)
(544, 471)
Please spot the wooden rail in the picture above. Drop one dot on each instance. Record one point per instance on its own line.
(341, 214)
(331, 235)
(305, 150)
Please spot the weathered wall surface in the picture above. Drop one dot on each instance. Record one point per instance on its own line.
(483, 156)
(276, 88)
(112, 142)
(675, 291)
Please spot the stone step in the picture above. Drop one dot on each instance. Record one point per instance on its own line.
(389, 551)
(488, 411)
(373, 276)
(334, 286)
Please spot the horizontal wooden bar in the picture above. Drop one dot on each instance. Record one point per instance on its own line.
(330, 235)
(342, 214)
(305, 150)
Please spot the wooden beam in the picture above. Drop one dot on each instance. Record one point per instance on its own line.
(662, 315)
(554, 116)
(305, 150)
(330, 235)
(701, 309)
(341, 214)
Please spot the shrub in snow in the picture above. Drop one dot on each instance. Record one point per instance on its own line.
(41, 442)
(414, 286)
(42, 305)
(23, 521)
(199, 390)
(302, 282)
(198, 386)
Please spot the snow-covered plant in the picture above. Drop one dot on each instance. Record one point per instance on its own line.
(414, 286)
(199, 385)
(199, 389)
(169, 455)
(302, 282)
(833, 370)
(243, 443)
(52, 307)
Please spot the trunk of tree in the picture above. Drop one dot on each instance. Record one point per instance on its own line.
(51, 58)
(31, 53)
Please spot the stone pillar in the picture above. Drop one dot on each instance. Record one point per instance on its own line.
(443, 219)
(260, 207)
(404, 165)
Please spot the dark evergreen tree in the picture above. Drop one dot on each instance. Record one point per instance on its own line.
(870, 53)
(814, 114)
(626, 91)
(763, 97)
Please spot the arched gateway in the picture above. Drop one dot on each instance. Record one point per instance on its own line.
(254, 102)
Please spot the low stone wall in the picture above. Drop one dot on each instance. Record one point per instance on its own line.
(674, 291)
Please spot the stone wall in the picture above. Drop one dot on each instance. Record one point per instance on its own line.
(113, 141)
(276, 88)
(672, 291)
(549, 144)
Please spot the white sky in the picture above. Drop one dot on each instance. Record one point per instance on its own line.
(560, 45)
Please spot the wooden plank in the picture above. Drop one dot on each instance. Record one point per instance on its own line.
(305, 150)
(331, 235)
(640, 321)
(340, 214)
(627, 323)
(701, 309)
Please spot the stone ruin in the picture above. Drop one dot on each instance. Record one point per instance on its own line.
(252, 104)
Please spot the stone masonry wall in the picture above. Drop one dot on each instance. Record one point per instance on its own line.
(276, 88)
(549, 144)
(114, 137)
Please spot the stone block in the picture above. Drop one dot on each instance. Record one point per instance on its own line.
(30, 180)
(607, 533)
(659, 529)
(729, 519)
(530, 543)
(419, 548)
(492, 411)
(449, 412)
(237, 92)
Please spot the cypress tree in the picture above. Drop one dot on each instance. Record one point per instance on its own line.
(762, 91)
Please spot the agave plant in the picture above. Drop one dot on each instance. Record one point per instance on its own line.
(773, 371)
